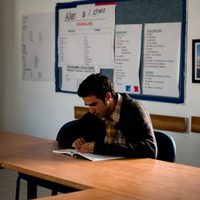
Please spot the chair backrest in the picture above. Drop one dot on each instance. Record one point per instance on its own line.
(65, 130)
(166, 147)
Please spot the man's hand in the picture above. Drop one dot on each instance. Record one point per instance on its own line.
(81, 145)
(78, 143)
(87, 147)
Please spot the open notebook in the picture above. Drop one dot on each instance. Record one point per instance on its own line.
(88, 156)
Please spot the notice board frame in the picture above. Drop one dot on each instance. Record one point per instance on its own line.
(138, 12)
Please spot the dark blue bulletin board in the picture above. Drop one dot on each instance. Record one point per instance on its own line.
(138, 12)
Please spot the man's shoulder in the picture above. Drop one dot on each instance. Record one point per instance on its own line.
(126, 98)
(128, 101)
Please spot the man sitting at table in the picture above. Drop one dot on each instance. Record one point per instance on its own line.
(115, 125)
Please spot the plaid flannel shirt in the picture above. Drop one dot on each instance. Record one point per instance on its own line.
(114, 135)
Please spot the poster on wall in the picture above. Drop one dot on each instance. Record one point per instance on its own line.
(161, 59)
(38, 49)
(127, 58)
(85, 42)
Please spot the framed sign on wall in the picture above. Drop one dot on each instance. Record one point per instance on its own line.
(196, 61)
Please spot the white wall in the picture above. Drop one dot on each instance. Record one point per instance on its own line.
(1, 63)
(35, 108)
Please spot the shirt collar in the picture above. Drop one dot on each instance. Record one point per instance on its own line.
(115, 115)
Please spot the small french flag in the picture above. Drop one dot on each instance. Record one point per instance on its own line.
(135, 88)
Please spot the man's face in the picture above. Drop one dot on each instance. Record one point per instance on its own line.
(96, 106)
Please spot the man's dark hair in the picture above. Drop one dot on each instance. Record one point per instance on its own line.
(97, 85)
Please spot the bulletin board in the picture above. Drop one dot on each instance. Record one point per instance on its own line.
(157, 27)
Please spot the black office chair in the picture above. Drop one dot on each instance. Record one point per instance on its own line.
(166, 147)
(68, 128)
(33, 182)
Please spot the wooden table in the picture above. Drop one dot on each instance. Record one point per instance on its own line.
(114, 179)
